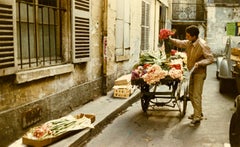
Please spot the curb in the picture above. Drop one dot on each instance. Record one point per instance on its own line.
(81, 138)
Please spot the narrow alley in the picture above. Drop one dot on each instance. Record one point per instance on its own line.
(165, 129)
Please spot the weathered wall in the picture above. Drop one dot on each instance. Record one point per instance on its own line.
(217, 18)
(53, 96)
(116, 69)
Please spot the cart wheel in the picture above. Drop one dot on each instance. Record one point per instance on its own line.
(145, 102)
(182, 103)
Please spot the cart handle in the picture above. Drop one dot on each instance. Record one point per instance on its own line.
(191, 71)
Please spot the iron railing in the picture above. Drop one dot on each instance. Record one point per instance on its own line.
(39, 34)
(188, 11)
(224, 1)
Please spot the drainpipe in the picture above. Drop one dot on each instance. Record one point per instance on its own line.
(104, 50)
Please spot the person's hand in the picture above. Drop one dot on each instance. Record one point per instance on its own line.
(196, 65)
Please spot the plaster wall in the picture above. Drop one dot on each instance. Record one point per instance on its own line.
(217, 18)
(116, 69)
(55, 94)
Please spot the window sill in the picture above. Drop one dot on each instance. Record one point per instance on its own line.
(31, 75)
(122, 58)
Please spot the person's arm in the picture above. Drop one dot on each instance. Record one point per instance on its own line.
(179, 43)
(208, 56)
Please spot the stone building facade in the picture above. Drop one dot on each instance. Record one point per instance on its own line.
(57, 55)
(220, 13)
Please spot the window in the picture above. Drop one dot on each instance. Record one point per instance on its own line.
(39, 33)
(31, 33)
(145, 26)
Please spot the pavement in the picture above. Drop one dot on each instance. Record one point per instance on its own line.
(105, 109)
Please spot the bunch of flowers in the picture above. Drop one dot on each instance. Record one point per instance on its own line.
(139, 71)
(154, 74)
(176, 70)
(179, 55)
(165, 33)
(182, 55)
(58, 127)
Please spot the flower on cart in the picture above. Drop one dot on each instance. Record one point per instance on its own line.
(177, 63)
(176, 71)
(182, 55)
(139, 71)
(154, 74)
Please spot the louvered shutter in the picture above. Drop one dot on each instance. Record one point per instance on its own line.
(145, 26)
(8, 63)
(81, 30)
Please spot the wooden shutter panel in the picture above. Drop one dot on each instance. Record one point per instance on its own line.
(145, 26)
(8, 63)
(81, 30)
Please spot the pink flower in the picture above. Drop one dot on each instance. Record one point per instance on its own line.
(154, 74)
(176, 73)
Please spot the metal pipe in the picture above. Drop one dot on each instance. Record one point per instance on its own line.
(104, 49)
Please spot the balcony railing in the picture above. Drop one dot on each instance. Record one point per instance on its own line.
(224, 1)
(188, 11)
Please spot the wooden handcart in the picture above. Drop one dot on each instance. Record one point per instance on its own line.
(152, 96)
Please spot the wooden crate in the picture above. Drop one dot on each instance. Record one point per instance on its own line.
(235, 51)
(123, 80)
(235, 58)
(123, 91)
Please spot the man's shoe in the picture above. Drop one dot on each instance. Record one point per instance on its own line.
(191, 116)
(194, 123)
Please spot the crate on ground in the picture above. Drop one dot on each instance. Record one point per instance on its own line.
(122, 87)
(123, 91)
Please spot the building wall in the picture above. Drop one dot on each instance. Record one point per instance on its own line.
(217, 18)
(29, 99)
(114, 68)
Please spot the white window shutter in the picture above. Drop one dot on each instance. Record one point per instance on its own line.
(8, 62)
(122, 30)
(127, 24)
(145, 26)
(81, 30)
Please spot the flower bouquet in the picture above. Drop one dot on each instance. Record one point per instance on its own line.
(57, 129)
(164, 35)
